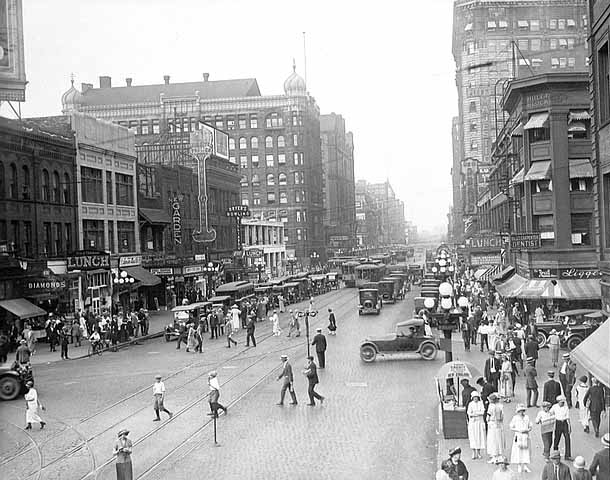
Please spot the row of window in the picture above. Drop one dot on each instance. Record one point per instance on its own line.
(93, 236)
(54, 187)
(524, 44)
(297, 159)
(532, 25)
(581, 224)
(272, 197)
(269, 143)
(18, 235)
(92, 187)
(282, 179)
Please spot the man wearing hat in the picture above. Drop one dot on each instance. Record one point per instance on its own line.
(600, 466)
(311, 373)
(562, 425)
(214, 394)
(531, 385)
(580, 473)
(319, 341)
(493, 367)
(596, 399)
(454, 465)
(551, 389)
(23, 353)
(288, 381)
(158, 398)
(554, 342)
(546, 419)
(555, 470)
(567, 377)
(531, 349)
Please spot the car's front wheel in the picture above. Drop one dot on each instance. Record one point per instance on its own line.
(541, 338)
(368, 353)
(9, 388)
(428, 351)
(573, 342)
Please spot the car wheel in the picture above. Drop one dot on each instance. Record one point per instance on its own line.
(9, 388)
(428, 351)
(573, 342)
(368, 353)
(541, 338)
(359, 312)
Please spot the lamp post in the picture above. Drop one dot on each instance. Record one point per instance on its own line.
(292, 261)
(307, 314)
(314, 258)
(210, 269)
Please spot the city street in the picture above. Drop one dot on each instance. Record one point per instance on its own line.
(356, 433)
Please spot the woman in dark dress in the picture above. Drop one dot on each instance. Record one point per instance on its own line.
(122, 450)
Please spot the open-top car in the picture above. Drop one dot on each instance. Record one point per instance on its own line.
(408, 337)
(13, 379)
(573, 326)
(369, 301)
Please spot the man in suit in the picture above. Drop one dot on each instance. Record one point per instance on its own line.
(551, 389)
(250, 327)
(311, 373)
(555, 470)
(531, 349)
(567, 376)
(493, 365)
(467, 389)
(288, 381)
(319, 341)
(531, 385)
(600, 466)
(596, 398)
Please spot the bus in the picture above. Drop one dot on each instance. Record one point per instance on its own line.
(348, 273)
(369, 272)
(236, 291)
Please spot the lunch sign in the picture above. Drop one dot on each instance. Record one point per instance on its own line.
(88, 260)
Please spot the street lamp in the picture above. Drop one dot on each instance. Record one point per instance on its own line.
(210, 269)
(314, 258)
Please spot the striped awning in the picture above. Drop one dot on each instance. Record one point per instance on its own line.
(539, 171)
(584, 289)
(579, 116)
(533, 289)
(518, 178)
(490, 273)
(537, 120)
(581, 168)
(511, 287)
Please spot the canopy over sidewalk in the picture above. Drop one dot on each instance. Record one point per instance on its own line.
(592, 353)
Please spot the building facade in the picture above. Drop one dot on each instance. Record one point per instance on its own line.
(493, 42)
(455, 231)
(263, 246)
(339, 183)
(274, 142)
(540, 196)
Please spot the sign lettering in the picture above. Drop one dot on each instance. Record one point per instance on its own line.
(520, 241)
(130, 261)
(162, 271)
(479, 260)
(579, 273)
(254, 253)
(88, 260)
(176, 222)
(482, 242)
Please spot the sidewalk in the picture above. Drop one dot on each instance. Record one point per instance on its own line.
(582, 443)
(158, 321)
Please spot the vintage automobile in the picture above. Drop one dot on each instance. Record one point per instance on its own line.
(573, 326)
(369, 301)
(386, 289)
(184, 314)
(12, 380)
(409, 337)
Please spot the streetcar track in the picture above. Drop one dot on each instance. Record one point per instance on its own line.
(327, 301)
(31, 439)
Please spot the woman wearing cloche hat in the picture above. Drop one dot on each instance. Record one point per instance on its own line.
(521, 425)
(580, 473)
(122, 450)
(503, 472)
(476, 424)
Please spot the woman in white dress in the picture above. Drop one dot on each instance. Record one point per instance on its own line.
(476, 424)
(521, 425)
(495, 428)
(31, 407)
(503, 472)
(583, 412)
(506, 382)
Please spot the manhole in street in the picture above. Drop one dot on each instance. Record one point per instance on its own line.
(356, 384)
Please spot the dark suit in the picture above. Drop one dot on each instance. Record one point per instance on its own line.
(597, 398)
(493, 377)
(466, 398)
(319, 341)
(548, 472)
(567, 380)
(312, 378)
(250, 327)
(552, 389)
(531, 350)
(288, 383)
(531, 386)
(600, 466)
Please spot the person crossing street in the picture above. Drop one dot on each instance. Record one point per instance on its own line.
(288, 384)
(250, 327)
(312, 377)
(319, 341)
(159, 398)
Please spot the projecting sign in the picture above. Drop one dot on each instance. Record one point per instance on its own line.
(254, 253)
(176, 221)
(130, 261)
(12, 63)
(162, 271)
(566, 273)
(484, 242)
(477, 260)
(88, 260)
(524, 241)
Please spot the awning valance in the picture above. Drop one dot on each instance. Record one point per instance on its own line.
(22, 308)
(581, 168)
(579, 116)
(581, 289)
(511, 287)
(532, 289)
(490, 272)
(539, 171)
(592, 354)
(517, 132)
(479, 272)
(504, 274)
(518, 178)
(537, 120)
(154, 216)
(499, 199)
(143, 276)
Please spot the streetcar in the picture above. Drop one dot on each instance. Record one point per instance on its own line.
(184, 314)
(369, 272)
(237, 291)
(348, 273)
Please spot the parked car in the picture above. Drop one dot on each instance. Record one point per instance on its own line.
(573, 326)
(12, 380)
(369, 301)
(408, 336)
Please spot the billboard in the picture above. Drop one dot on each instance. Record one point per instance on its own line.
(12, 60)
(210, 136)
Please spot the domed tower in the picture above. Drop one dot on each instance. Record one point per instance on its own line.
(71, 100)
(294, 84)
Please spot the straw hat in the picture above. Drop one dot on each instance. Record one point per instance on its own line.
(520, 408)
(555, 454)
(501, 460)
(475, 394)
(579, 463)
(122, 432)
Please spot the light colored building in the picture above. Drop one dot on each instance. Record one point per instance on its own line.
(267, 238)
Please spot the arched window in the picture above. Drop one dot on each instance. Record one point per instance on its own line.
(282, 179)
(283, 197)
(244, 181)
(270, 179)
(269, 141)
(231, 144)
(281, 141)
(2, 180)
(66, 188)
(26, 182)
(13, 191)
(254, 142)
(243, 143)
(46, 195)
(255, 180)
(56, 197)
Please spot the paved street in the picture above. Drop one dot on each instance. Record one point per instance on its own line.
(357, 433)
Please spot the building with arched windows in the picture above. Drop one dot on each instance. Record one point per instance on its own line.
(274, 142)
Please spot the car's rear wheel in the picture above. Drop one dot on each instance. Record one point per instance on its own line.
(573, 342)
(9, 388)
(541, 339)
(368, 353)
(428, 351)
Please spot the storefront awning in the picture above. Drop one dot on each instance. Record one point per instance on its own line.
(143, 276)
(539, 171)
(518, 178)
(511, 287)
(479, 272)
(533, 289)
(592, 354)
(581, 168)
(537, 120)
(582, 289)
(21, 308)
(154, 216)
(579, 116)
(489, 273)
(503, 275)
(499, 199)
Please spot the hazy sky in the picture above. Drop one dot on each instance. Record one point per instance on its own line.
(386, 66)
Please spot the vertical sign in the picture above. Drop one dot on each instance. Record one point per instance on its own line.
(176, 221)
(12, 61)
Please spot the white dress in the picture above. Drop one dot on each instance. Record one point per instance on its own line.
(495, 430)
(235, 312)
(583, 411)
(517, 453)
(476, 425)
(31, 414)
